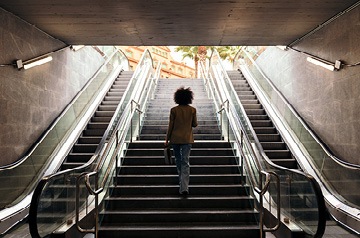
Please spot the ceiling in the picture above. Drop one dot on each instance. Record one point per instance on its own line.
(168, 22)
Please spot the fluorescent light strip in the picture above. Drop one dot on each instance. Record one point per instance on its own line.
(320, 63)
(37, 62)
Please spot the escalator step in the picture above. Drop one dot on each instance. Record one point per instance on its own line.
(247, 97)
(265, 130)
(252, 106)
(273, 145)
(97, 125)
(84, 148)
(287, 163)
(255, 111)
(107, 108)
(101, 119)
(112, 98)
(79, 157)
(94, 132)
(104, 113)
(114, 94)
(255, 101)
(269, 137)
(89, 139)
(278, 154)
(258, 117)
(261, 123)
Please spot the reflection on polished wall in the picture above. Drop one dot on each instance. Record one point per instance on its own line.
(327, 100)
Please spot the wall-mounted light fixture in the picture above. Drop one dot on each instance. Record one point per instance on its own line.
(282, 47)
(325, 64)
(33, 62)
(76, 47)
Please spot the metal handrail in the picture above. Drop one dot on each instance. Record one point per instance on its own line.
(74, 172)
(236, 125)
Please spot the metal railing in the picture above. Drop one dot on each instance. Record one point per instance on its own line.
(54, 199)
(293, 187)
(21, 177)
(330, 172)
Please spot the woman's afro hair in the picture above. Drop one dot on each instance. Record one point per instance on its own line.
(183, 96)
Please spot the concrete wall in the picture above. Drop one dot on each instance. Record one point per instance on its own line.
(31, 99)
(328, 101)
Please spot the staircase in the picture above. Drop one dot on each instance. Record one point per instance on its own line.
(90, 138)
(157, 115)
(270, 139)
(145, 201)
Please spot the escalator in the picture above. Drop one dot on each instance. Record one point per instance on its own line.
(90, 138)
(307, 151)
(270, 139)
(55, 200)
(46, 156)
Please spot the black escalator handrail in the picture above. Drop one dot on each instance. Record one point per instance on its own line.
(33, 209)
(45, 180)
(319, 196)
(321, 207)
(54, 123)
(304, 124)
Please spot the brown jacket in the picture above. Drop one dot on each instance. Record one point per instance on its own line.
(182, 120)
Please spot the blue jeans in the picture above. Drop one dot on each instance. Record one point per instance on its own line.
(182, 154)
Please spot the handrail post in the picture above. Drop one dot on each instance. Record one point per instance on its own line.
(96, 193)
(96, 212)
(131, 123)
(261, 208)
(261, 190)
(117, 160)
(139, 128)
(242, 157)
(228, 124)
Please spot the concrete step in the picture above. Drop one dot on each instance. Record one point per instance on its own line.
(209, 230)
(194, 160)
(173, 190)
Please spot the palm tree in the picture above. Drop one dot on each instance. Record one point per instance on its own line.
(228, 52)
(197, 53)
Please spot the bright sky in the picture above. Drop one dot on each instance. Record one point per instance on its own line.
(178, 57)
